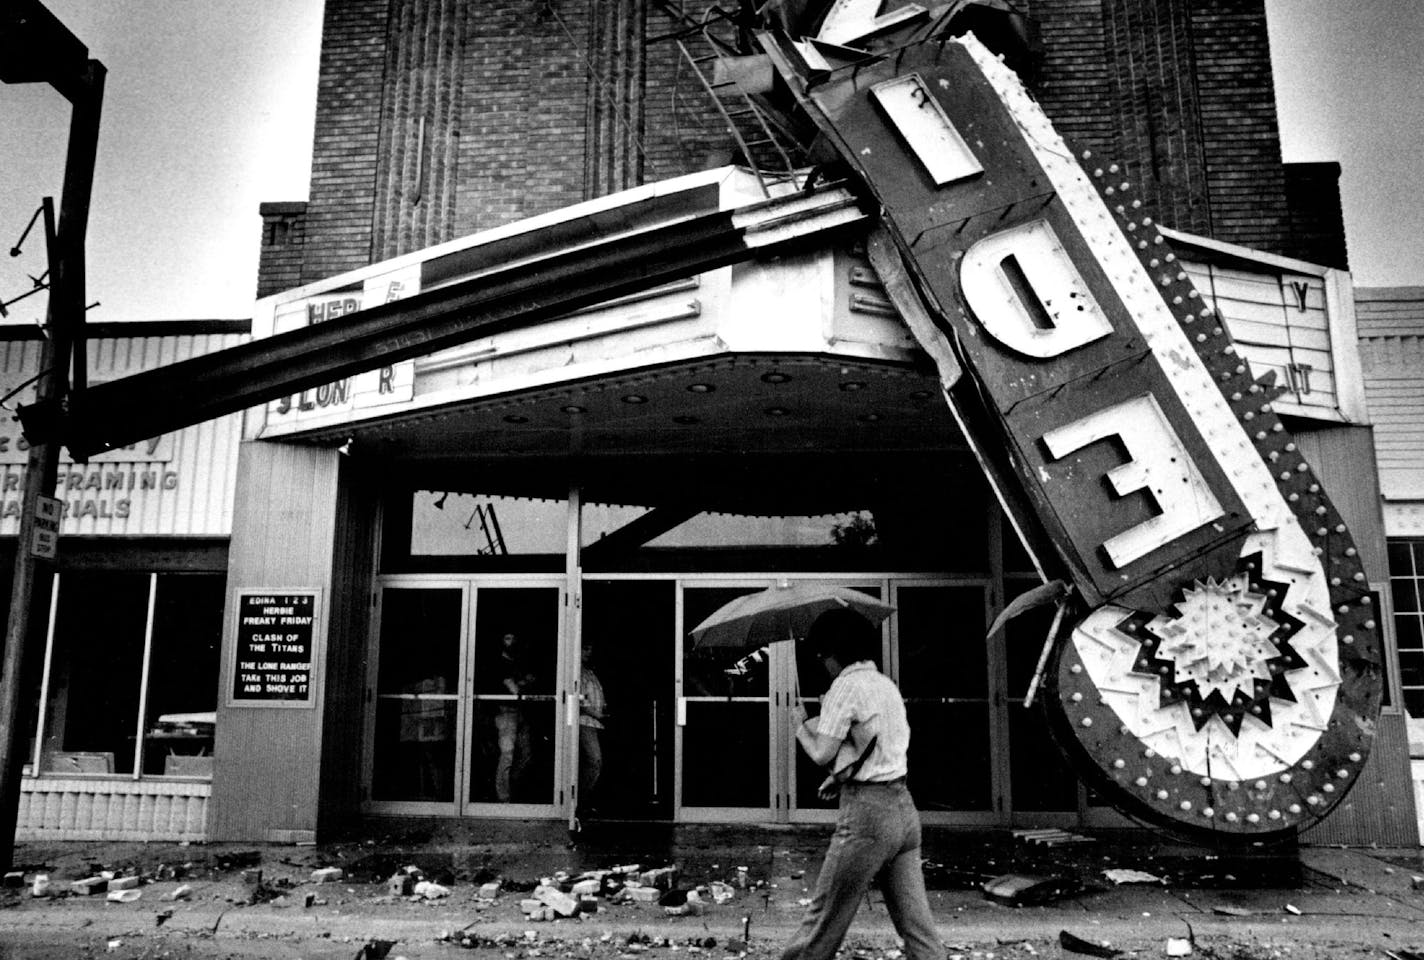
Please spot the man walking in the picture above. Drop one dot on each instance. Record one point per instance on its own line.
(863, 735)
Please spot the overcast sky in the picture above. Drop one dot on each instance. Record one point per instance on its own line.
(208, 112)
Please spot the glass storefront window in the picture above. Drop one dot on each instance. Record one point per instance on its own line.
(1406, 587)
(99, 713)
(462, 525)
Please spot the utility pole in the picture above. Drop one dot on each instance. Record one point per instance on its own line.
(38, 48)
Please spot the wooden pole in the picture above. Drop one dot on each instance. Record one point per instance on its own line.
(64, 326)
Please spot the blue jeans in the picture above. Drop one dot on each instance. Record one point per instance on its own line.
(877, 835)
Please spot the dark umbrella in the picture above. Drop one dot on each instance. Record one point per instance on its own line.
(783, 612)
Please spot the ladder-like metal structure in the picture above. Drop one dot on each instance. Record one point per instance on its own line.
(766, 146)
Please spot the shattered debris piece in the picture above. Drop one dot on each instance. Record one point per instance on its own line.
(400, 884)
(489, 891)
(1050, 837)
(1178, 947)
(431, 891)
(1076, 944)
(39, 887)
(1292, 909)
(181, 892)
(162, 917)
(554, 898)
(124, 896)
(1122, 875)
(89, 886)
(327, 875)
(642, 894)
(1020, 889)
(664, 878)
(251, 878)
(585, 887)
(375, 949)
(14, 879)
(1227, 911)
(721, 892)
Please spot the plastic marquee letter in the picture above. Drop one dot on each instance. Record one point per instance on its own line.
(1025, 291)
(1157, 463)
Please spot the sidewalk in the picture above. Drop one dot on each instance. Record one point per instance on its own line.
(1324, 902)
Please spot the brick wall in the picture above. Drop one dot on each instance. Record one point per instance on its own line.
(531, 105)
(344, 155)
(283, 246)
(1317, 222)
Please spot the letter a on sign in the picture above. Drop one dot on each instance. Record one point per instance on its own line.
(1158, 464)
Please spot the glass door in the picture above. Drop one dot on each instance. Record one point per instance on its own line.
(725, 748)
(1043, 790)
(946, 674)
(413, 732)
(804, 678)
(517, 729)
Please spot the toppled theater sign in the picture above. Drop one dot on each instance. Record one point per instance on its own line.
(1215, 664)
(1220, 667)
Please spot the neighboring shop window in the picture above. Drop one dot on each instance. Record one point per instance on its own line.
(100, 712)
(1406, 582)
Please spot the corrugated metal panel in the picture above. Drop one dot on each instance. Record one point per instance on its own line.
(268, 759)
(1380, 807)
(1343, 457)
(183, 484)
(1389, 312)
(62, 808)
(353, 566)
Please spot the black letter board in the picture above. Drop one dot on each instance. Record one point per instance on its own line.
(274, 647)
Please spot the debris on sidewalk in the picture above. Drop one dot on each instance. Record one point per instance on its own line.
(375, 950)
(124, 896)
(1292, 909)
(1021, 889)
(89, 886)
(1050, 837)
(181, 892)
(1121, 875)
(39, 887)
(327, 874)
(1228, 911)
(431, 891)
(1178, 947)
(1075, 944)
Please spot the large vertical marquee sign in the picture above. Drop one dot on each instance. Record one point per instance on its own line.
(1222, 670)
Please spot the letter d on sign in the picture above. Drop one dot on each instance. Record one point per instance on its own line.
(1027, 293)
(1158, 463)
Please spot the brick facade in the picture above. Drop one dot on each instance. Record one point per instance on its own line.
(439, 118)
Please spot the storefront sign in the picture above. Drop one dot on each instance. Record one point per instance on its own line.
(14, 448)
(1221, 670)
(273, 648)
(339, 401)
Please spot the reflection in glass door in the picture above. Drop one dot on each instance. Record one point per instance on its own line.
(514, 734)
(724, 716)
(414, 759)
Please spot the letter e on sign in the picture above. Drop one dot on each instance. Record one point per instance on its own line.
(1157, 463)
(45, 543)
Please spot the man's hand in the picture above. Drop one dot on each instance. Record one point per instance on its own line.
(798, 715)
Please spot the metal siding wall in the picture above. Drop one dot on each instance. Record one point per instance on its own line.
(353, 569)
(1391, 330)
(204, 457)
(1380, 807)
(1343, 457)
(268, 758)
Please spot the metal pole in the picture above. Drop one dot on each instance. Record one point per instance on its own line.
(64, 325)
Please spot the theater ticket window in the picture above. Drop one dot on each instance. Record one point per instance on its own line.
(130, 679)
(1406, 583)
